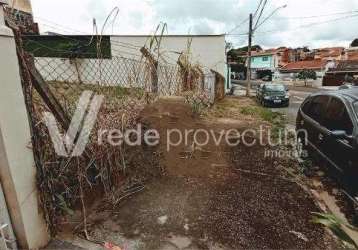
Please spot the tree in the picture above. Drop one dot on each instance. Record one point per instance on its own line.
(229, 46)
(354, 43)
(307, 74)
(239, 55)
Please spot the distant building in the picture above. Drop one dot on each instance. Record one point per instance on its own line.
(291, 70)
(265, 63)
(301, 54)
(351, 54)
(329, 54)
(20, 13)
(346, 71)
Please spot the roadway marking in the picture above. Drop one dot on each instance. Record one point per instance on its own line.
(299, 98)
(300, 92)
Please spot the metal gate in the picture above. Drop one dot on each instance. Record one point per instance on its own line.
(7, 237)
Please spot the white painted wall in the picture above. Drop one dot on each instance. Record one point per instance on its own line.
(17, 167)
(209, 51)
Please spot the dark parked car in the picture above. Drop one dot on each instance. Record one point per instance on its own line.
(327, 123)
(267, 79)
(271, 94)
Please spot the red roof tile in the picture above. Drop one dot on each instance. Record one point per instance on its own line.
(329, 52)
(300, 65)
(352, 55)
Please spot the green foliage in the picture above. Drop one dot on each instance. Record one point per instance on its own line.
(354, 43)
(68, 46)
(276, 119)
(305, 166)
(265, 114)
(335, 225)
(63, 205)
(250, 110)
(198, 102)
(239, 54)
(307, 74)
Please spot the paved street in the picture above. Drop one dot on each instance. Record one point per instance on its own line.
(298, 95)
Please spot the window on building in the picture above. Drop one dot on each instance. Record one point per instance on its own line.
(265, 58)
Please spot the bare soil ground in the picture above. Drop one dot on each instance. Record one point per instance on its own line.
(214, 197)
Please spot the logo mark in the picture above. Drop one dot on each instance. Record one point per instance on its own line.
(80, 127)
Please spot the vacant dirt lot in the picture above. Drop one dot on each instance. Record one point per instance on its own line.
(213, 197)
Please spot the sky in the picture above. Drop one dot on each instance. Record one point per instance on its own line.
(313, 23)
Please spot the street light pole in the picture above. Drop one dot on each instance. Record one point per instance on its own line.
(248, 87)
(251, 32)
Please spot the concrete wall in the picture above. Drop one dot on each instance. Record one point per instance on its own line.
(209, 51)
(17, 170)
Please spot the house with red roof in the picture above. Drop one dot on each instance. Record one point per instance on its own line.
(291, 70)
(329, 54)
(265, 63)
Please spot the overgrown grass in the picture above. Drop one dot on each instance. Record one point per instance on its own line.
(263, 113)
(72, 89)
(336, 226)
(276, 119)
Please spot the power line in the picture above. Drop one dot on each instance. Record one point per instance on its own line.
(247, 19)
(298, 27)
(268, 17)
(67, 29)
(308, 25)
(59, 25)
(258, 8)
(318, 16)
(261, 13)
(238, 26)
(117, 46)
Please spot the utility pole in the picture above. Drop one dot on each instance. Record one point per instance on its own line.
(248, 87)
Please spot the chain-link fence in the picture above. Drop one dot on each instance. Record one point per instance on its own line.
(115, 72)
(55, 85)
